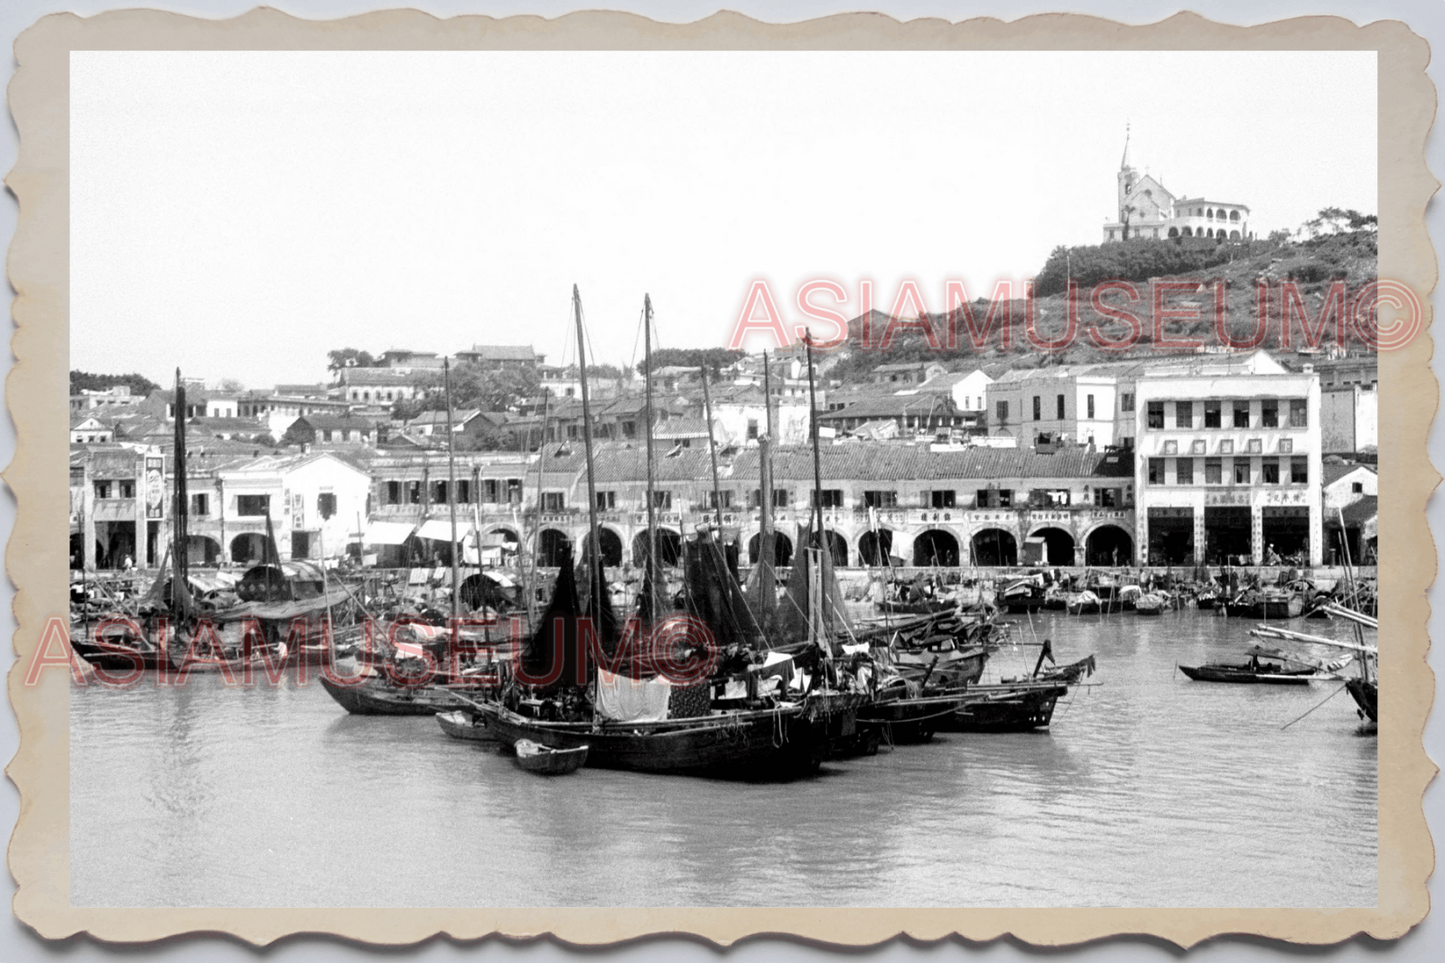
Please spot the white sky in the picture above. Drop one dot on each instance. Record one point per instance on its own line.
(238, 214)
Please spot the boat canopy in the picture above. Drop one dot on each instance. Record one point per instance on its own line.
(440, 529)
(387, 533)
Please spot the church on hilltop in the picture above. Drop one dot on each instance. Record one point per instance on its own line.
(1148, 210)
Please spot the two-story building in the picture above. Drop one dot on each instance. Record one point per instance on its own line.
(1062, 403)
(1229, 461)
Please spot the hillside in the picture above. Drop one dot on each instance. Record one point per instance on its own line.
(1312, 265)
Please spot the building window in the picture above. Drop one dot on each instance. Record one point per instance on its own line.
(201, 504)
(1155, 415)
(1299, 471)
(1184, 471)
(1171, 448)
(489, 490)
(1089, 405)
(1211, 414)
(413, 493)
(552, 501)
(1038, 408)
(325, 504)
(253, 505)
(438, 495)
(1060, 405)
(1002, 408)
(606, 501)
(727, 499)
(1241, 414)
(629, 429)
(1255, 446)
(1198, 446)
(832, 497)
(887, 499)
(943, 498)
(1005, 498)
(1241, 471)
(1269, 413)
(514, 491)
(1106, 497)
(1226, 447)
(1271, 472)
(1156, 471)
(780, 498)
(127, 487)
(1126, 401)
(981, 498)
(662, 500)
(1213, 471)
(1184, 414)
(393, 493)
(1286, 445)
(1299, 413)
(1357, 488)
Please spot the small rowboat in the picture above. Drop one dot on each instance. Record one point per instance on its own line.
(461, 724)
(535, 757)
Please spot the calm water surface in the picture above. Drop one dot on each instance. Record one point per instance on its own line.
(1149, 790)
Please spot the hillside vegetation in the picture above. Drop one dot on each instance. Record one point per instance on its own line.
(1348, 256)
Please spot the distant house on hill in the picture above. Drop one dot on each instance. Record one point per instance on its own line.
(502, 356)
(88, 430)
(1149, 211)
(909, 373)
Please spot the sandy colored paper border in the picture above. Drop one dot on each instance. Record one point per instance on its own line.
(36, 390)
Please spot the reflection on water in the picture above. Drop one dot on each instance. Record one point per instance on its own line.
(1149, 790)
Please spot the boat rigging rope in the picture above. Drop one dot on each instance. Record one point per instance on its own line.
(1314, 707)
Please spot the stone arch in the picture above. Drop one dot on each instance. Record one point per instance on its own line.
(1187, 232)
(669, 547)
(782, 549)
(1234, 215)
(995, 546)
(874, 548)
(1058, 545)
(611, 544)
(554, 548)
(1209, 213)
(935, 546)
(1174, 232)
(251, 547)
(203, 550)
(1108, 544)
(1234, 235)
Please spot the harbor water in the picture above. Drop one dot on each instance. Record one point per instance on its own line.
(1148, 790)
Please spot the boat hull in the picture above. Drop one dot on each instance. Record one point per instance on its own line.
(1244, 675)
(1366, 696)
(1006, 709)
(549, 762)
(374, 697)
(908, 720)
(763, 744)
(468, 726)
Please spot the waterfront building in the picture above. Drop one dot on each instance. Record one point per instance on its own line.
(1080, 404)
(1229, 461)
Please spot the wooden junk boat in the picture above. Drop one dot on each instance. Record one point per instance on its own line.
(1018, 705)
(773, 702)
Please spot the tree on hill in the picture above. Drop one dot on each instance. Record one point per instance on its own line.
(85, 380)
(713, 360)
(349, 358)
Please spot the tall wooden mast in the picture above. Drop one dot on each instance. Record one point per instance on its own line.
(180, 535)
(652, 567)
(452, 488)
(593, 570)
(767, 552)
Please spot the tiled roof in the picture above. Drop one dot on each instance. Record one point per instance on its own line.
(681, 428)
(386, 376)
(1333, 473)
(329, 422)
(892, 406)
(502, 352)
(1357, 512)
(880, 462)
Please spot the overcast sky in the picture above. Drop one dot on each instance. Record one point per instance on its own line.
(238, 214)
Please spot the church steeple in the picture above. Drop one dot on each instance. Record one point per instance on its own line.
(1126, 179)
(1124, 164)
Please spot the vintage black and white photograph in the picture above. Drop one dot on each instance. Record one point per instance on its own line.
(636, 478)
